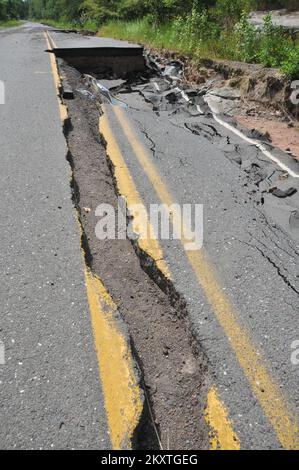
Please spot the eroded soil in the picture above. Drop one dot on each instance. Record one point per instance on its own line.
(281, 135)
(174, 371)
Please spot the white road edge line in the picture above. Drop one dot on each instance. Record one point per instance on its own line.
(240, 134)
(257, 144)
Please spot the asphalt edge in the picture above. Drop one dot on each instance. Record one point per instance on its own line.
(118, 370)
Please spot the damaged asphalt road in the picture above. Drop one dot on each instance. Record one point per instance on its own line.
(51, 395)
(217, 333)
(250, 239)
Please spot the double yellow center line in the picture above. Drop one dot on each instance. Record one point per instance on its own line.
(274, 404)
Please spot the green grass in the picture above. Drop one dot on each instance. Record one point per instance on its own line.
(204, 41)
(10, 23)
(87, 26)
(166, 37)
(141, 31)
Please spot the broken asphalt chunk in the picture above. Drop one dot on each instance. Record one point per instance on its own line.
(103, 91)
(282, 194)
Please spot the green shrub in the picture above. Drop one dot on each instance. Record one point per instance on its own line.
(274, 46)
(247, 39)
(201, 35)
(270, 46)
(290, 65)
(195, 29)
(230, 11)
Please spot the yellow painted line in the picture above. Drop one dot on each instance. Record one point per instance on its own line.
(52, 42)
(62, 107)
(222, 436)
(126, 187)
(274, 404)
(122, 393)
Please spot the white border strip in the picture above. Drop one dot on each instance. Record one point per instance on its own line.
(257, 144)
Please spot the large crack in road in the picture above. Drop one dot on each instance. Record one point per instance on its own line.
(212, 330)
(172, 365)
(170, 329)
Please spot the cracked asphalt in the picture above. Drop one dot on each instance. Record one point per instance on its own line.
(250, 244)
(250, 240)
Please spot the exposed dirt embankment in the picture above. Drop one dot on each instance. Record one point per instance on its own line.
(261, 96)
(261, 86)
(257, 84)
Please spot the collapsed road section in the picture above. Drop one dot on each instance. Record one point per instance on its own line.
(98, 54)
(173, 369)
(225, 325)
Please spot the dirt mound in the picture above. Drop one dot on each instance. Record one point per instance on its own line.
(264, 86)
(258, 85)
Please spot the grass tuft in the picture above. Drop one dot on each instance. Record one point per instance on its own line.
(10, 23)
(198, 38)
(60, 24)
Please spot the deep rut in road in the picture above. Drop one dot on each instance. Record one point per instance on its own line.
(173, 367)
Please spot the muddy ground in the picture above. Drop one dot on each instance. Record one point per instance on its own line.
(174, 370)
(280, 134)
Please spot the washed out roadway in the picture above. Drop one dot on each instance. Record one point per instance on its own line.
(242, 287)
(246, 302)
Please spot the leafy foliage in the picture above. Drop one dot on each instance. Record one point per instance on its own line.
(12, 9)
(270, 46)
(215, 28)
(247, 40)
